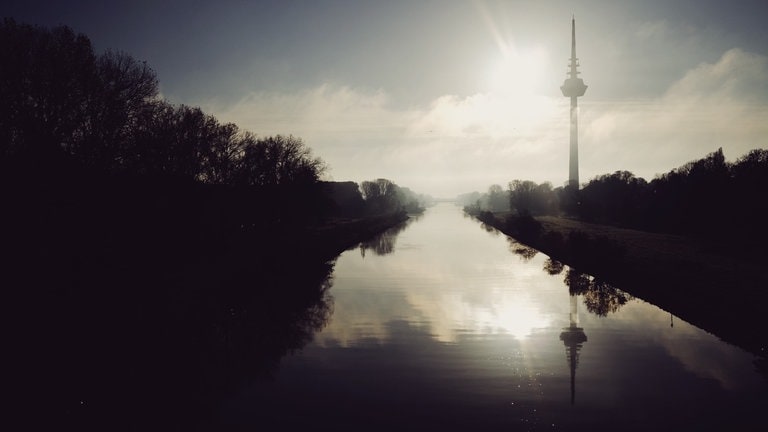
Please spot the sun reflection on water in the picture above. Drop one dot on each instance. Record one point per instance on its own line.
(446, 316)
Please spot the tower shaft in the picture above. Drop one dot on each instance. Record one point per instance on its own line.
(573, 160)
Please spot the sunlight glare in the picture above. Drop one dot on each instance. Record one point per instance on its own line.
(514, 314)
(516, 73)
(512, 83)
(518, 317)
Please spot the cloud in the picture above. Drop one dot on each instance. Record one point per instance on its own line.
(485, 115)
(722, 104)
(452, 145)
(318, 112)
(663, 31)
(350, 129)
(457, 144)
(738, 76)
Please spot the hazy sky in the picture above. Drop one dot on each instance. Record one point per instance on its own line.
(447, 97)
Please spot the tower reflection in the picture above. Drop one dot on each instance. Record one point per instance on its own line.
(573, 338)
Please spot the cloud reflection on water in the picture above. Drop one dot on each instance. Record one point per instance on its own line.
(445, 285)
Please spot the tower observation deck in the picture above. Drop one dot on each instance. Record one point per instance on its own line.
(573, 87)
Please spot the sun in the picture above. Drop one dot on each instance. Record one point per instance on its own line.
(516, 72)
(508, 105)
(513, 83)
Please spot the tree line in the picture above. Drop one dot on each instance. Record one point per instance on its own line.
(104, 112)
(706, 197)
(69, 112)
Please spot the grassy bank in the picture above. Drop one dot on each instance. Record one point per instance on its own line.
(719, 290)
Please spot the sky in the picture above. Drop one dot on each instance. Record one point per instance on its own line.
(447, 97)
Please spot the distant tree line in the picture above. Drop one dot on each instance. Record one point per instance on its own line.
(705, 197)
(379, 196)
(521, 196)
(383, 195)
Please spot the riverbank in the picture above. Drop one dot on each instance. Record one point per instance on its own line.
(700, 282)
(339, 234)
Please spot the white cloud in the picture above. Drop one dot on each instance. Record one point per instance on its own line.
(350, 129)
(738, 76)
(724, 104)
(453, 145)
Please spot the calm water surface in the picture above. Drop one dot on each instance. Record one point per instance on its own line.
(444, 325)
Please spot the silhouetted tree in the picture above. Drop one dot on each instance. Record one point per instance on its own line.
(381, 195)
(278, 160)
(521, 195)
(123, 93)
(705, 197)
(569, 199)
(172, 141)
(344, 198)
(103, 110)
(370, 190)
(46, 87)
(526, 196)
(692, 198)
(613, 198)
(222, 154)
(498, 199)
(750, 209)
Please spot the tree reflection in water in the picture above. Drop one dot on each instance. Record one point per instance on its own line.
(553, 267)
(524, 252)
(600, 298)
(384, 243)
(174, 346)
(253, 336)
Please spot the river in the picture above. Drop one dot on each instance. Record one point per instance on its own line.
(442, 324)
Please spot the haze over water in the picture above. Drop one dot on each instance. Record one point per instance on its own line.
(442, 325)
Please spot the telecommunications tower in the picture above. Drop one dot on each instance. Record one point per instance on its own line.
(573, 87)
(573, 338)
